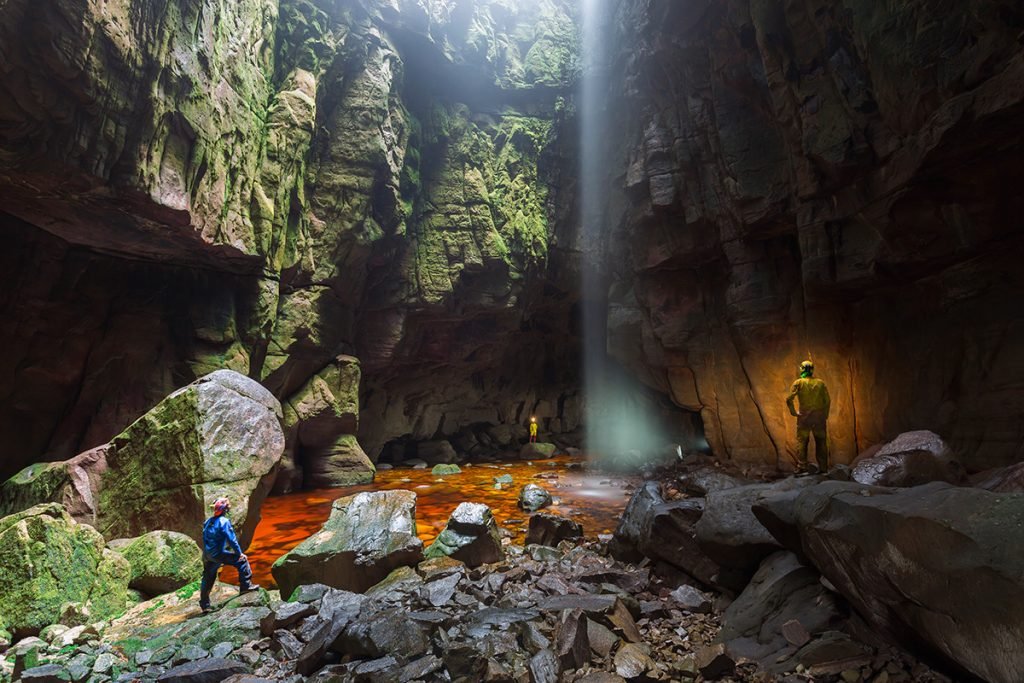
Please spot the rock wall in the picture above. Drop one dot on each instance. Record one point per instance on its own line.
(830, 179)
(267, 185)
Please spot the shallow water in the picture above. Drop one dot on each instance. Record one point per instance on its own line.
(594, 499)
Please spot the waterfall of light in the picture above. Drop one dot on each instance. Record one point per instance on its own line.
(620, 430)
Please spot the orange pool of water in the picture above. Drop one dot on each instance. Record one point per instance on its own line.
(592, 498)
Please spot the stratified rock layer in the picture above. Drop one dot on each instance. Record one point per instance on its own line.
(822, 179)
(936, 536)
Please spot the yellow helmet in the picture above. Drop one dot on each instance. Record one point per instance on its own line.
(807, 366)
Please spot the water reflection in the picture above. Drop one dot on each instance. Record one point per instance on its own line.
(594, 499)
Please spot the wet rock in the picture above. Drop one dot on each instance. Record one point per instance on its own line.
(47, 561)
(782, 591)
(634, 522)
(937, 536)
(533, 498)
(445, 470)
(911, 459)
(715, 662)
(161, 561)
(366, 537)
(203, 671)
(550, 530)
(471, 536)
(537, 451)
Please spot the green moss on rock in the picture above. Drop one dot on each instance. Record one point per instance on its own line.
(47, 561)
(162, 561)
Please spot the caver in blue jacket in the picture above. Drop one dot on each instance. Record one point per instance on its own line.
(220, 547)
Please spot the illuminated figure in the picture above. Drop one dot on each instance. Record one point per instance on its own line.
(812, 418)
(220, 547)
(533, 430)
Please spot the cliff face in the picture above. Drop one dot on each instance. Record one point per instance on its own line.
(826, 179)
(265, 185)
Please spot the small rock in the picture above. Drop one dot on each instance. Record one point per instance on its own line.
(633, 661)
(104, 663)
(445, 469)
(692, 599)
(714, 662)
(533, 498)
(221, 650)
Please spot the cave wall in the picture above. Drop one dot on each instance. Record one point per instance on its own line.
(265, 185)
(832, 179)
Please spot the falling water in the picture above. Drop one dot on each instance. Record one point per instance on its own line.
(620, 428)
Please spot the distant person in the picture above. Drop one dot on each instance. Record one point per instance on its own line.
(812, 418)
(220, 547)
(533, 430)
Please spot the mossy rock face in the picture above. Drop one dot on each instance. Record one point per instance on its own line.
(219, 436)
(47, 560)
(161, 561)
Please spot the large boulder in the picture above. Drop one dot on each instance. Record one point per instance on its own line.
(72, 483)
(730, 534)
(219, 436)
(50, 562)
(327, 405)
(635, 519)
(471, 536)
(935, 566)
(537, 451)
(161, 561)
(367, 535)
(757, 624)
(670, 535)
(911, 459)
(342, 463)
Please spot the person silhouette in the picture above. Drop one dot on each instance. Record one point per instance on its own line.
(812, 418)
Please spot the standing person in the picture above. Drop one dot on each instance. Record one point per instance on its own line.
(812, 418)
(220, 547)
(533, 430)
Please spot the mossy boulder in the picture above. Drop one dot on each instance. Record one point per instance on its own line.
(219, 436)
(366, 537)
(161, 561)
(444, 470)
(49, 561)
(342, 463)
